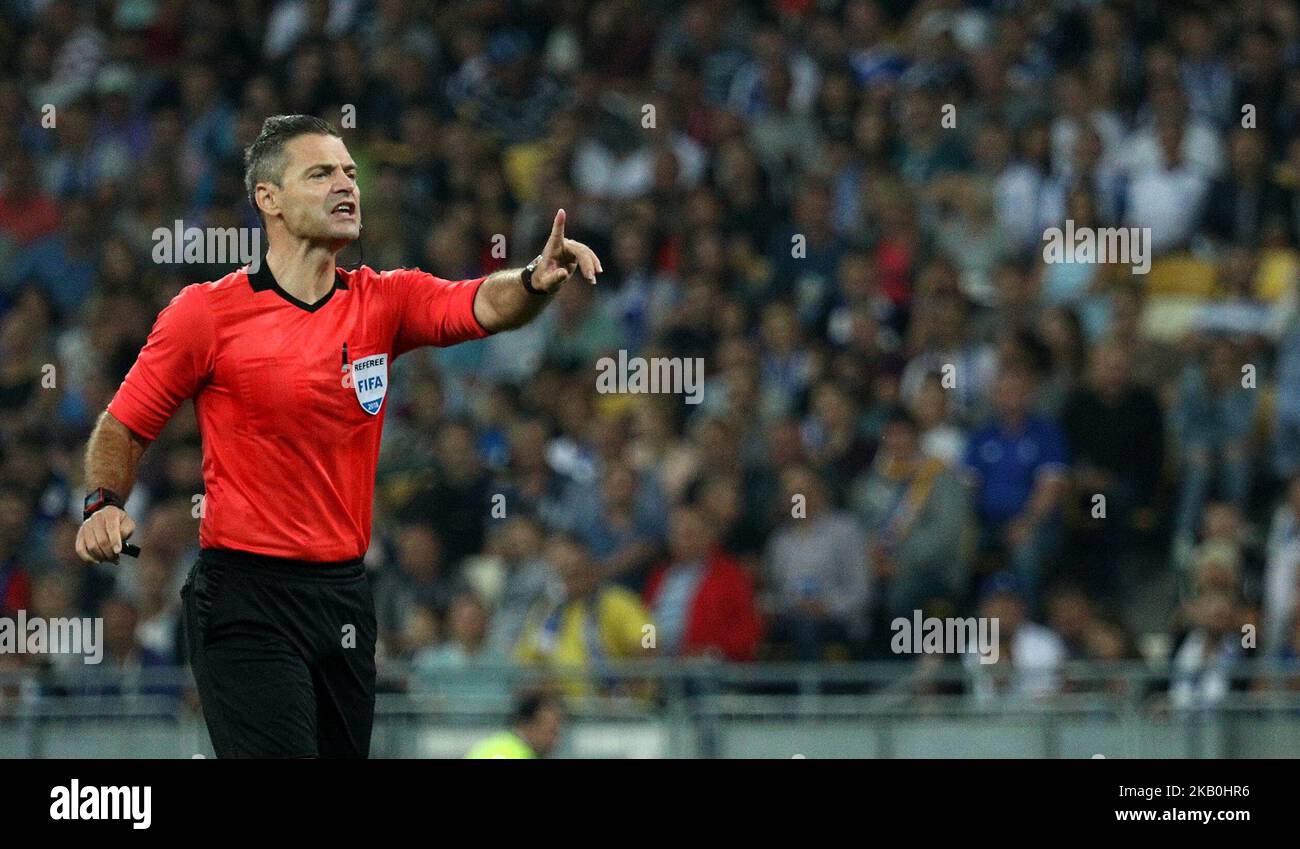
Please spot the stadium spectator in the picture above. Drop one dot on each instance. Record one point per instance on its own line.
(816, 571)
(1072, 617)
(1224, 527)
(1240, 204)
(1116, 435)
(917, 514)
(1018, 463)
(624, 525)
(944, 346)
(157, 607)
(1282, 571)
(519, 544)
(1212, 420)
(941, 438)
(15, 587)
(465, 666)
(15, 575)
(124, 653)
(701, 599)
(1204, 661)
(414, 578)
(1029, 655)
(591, 625)
(454, 498)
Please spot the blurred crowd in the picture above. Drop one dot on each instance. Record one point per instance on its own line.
(839, 206)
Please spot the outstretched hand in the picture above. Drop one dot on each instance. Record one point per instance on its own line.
(562, 257)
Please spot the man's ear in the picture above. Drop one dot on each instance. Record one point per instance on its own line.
(267, 201)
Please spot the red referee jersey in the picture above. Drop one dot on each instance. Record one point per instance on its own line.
(290, 397)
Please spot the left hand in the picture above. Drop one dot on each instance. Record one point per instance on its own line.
(561, 257)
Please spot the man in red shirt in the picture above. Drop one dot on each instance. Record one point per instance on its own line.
(288, 367)
(701, 598)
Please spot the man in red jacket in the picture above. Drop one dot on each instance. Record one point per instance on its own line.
(702, 599)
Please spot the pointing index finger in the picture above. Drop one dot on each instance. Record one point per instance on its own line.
(557, 228)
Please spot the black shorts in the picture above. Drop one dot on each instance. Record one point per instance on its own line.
(283, 653)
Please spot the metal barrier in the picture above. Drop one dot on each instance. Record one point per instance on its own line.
(704, 709)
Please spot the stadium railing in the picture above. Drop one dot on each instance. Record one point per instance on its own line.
(707, 709)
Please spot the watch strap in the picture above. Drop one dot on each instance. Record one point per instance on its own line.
(99, 498)
(527, 277)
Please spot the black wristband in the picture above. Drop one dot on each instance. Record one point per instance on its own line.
(526, 276)
(98, 499)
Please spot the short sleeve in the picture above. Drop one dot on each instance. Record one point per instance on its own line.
(433, 311)
(176, 360)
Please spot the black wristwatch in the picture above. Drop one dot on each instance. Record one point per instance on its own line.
(527, 276)
(98, 499)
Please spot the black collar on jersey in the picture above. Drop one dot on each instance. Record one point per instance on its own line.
(264, 280)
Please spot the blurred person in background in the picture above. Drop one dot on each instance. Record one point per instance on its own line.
(1116, 435)
(1224, 527)
(157, 606)
(455, 498)
(54, 596)
(519, 544)
(414, 577)
(941, 438)
(1071, 614)
(943, 345)
(1211, 421)
(535, 726)
(815, 566)
(139, 665)
(1030, 655)
(834, 439)
(624, 525)
(1108, 642)
(1282, 571)
(1205, 661)
(1018, 464)
(464, 666)
(15, 579)
(591, 625)
(729, 509)
(701, 599)
(916, 513)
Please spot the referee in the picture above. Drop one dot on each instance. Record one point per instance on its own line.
(288, 368)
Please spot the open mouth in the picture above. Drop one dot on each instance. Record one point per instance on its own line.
(344, 209)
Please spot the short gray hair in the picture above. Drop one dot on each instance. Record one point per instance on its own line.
(264, 159)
